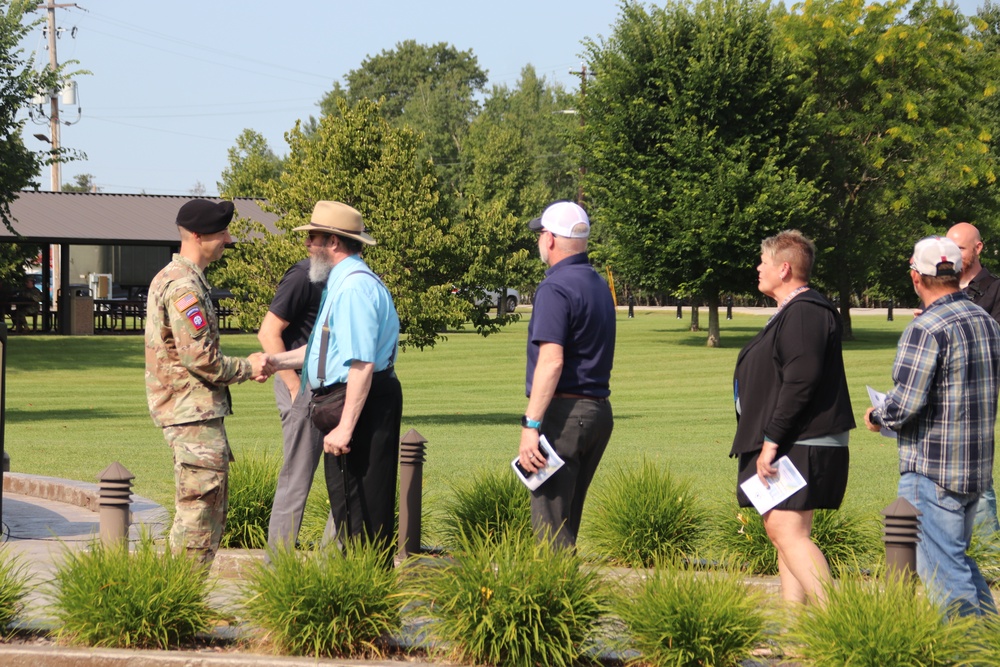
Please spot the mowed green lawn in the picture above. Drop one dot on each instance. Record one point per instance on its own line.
(76, 404)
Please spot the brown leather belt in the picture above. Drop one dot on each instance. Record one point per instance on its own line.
(599, 399)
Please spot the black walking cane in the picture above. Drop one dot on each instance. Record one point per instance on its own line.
(342, 462)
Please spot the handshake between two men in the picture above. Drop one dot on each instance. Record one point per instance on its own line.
(263, 366)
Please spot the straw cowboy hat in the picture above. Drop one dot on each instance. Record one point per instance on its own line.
(334, 217)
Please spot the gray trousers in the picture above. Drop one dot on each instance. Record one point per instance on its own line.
(303, 447)
(579, 431)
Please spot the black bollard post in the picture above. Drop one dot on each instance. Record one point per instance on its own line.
(889, 318)
(114, 498)
(412, 454)
(729, 307)
(631, 306)
(901, 533)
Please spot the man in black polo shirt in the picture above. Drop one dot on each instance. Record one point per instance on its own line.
(571, 347)
(984, 290)
(286, 326)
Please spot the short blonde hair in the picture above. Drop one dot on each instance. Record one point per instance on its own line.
(794, 247)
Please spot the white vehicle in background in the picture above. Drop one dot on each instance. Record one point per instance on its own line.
(491, 297)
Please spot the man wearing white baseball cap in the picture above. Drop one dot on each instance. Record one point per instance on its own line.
(571, 347)
(943, 407)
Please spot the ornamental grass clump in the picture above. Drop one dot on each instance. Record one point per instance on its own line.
(848, 541)
(14, 583)
(491, 502)
(149, 598)
(510, 601)
(643, 515)
(985, 550)
(325, 603)
(253, 477)
(880, 623)
(678, 616)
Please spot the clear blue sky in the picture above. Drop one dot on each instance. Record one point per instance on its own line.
(174, 82)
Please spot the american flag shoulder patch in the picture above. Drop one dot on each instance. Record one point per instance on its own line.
(182, 304)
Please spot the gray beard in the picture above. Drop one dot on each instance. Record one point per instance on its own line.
(319, 269)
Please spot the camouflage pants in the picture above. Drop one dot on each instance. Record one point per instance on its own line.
(201, 496)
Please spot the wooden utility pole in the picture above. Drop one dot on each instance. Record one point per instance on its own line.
(58, 258)
(54, 94)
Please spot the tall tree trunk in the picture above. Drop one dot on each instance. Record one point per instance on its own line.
(694, 316)
(845, 308)
(714, 335)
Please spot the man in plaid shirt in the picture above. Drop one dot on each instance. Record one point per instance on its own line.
(943, 407)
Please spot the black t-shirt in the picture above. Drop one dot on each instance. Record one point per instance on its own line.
(297, 301)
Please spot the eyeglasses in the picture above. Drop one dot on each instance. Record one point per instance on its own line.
(317, 238)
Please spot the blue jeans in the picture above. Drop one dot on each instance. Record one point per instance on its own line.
(951, 577)
(986, 513)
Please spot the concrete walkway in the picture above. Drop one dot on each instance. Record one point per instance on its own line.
(43, 517)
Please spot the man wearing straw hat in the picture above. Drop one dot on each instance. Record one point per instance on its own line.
(349, 358)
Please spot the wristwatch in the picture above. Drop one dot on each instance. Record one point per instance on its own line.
(530, 423)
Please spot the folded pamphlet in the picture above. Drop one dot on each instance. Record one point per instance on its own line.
(779, 487)
(878, 400)
(552, 463)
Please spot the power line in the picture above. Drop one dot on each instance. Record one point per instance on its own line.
(194, 45)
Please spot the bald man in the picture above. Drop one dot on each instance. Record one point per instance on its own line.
(981, 285)
(984, 290)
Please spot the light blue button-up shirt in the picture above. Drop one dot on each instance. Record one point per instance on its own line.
(362, 319)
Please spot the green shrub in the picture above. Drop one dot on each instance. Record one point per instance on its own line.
(643, 515)
(14, 583)
(985, 549)
(491, 502)
(106, 596)
(510, 601)
(325, 603)
(847, 540)
(677, 616)
(984, 643)
(883, 623)
(253, 478)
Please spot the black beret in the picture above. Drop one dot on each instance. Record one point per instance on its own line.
(205, 217)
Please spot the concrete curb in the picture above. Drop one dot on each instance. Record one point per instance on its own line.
(43, 656)
(66, 491)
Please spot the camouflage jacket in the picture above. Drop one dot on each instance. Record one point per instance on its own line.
(187, 377)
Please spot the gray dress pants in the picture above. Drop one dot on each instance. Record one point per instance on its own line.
(579, 431)
(303, 447)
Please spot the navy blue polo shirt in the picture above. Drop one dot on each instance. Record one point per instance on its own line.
(573, 308)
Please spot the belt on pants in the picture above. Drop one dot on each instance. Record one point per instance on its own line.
(330, 388)
(580, 397)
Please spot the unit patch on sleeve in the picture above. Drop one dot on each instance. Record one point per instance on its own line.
(196, 317)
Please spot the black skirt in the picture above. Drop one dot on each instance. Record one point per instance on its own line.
(824, 469)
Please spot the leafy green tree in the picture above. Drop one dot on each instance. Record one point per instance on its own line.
(17, 85)
(81, 183)
(983, 203)
(428, 88)
(252, 165)
(357, 157)
(534, 115)
(690, 146)
(899, 148)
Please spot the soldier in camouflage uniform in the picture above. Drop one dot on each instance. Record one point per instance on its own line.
(188, 378)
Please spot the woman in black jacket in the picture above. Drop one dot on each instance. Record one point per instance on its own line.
(791, 400)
